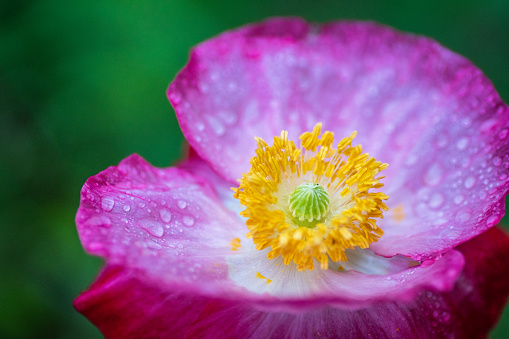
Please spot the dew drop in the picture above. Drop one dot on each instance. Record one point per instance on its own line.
(200, 126)
(462, 143)
(141, 204)
(182, 204)
(154, 245)
(459, 199)
(107, 203)
(228, 117)
(488, 125)
(441, 141)
(188, 221)
(95, 246)
(165, 215)
(463, 216)
(434, 175)
(483, 195)
(493, 220)
(497, 161)
(216, 125)
(126, 208)
(470, 182)
(152, 227)
(175, 97)
(100, 221)
(436, 200)
(502, 135)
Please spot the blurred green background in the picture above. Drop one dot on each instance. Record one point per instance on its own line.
(82, 85)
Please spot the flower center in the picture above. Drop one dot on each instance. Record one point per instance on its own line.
(310, 204)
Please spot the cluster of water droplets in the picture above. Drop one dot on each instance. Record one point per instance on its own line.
(148, 224)
(466, 173)
(435, 307)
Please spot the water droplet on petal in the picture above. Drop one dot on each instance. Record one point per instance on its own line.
(434, 175)
(188, 220)
(126, 208)
(165, 215)
(459, 199)
(488, 125)
(152, 227)
(493, 220)
(470, 182)
(182, 204)
(437, 199)
(441, 141)
(216, 125)
(463, 216)
(107, 203)
(228, 117)
(175, 97)
(462, 143)
(502, 135)
(99, 221)
(497, 161)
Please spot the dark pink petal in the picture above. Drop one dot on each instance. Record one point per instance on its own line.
(428, 112)
(122, 304)
(168, 223)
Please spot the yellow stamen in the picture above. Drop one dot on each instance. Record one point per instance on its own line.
(398, 213)
(259, 275)
(235, 244)
(344, 172)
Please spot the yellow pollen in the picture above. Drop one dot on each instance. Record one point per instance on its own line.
(398, 213)
(346, 174)
(235, 244)
(259, 275)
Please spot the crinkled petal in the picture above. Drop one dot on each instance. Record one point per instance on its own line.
(171, 226)
(428, 112)
(121, 304)
(167, 223)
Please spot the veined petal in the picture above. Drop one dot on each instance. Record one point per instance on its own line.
(428, 112)
(167, 223)
(122, 304)
(387, 278)
(134, 215)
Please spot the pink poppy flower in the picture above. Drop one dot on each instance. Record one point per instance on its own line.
(178, 261)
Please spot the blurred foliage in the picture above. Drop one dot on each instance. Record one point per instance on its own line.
(82, 85)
